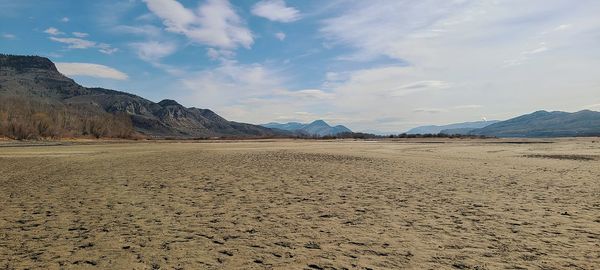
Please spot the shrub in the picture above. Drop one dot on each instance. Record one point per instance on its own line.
(24, 119)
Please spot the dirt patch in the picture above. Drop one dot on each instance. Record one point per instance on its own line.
(522, 142)
(565, 157)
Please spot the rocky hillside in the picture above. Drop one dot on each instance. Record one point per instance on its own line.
(546, 124)
(36, 83)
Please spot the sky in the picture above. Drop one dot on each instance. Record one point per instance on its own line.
(378, 65)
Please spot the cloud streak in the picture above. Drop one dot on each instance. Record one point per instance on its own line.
(78, 43)
(80, 34)
(90, 70)
(75, 43)
(9, 36)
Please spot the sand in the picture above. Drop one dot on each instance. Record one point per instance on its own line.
(285, 204)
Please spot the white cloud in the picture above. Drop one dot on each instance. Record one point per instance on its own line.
(9, 36)
(418, 86)
(430, 29)
(276, 10)
(280, 35)
(562, 27)
(526, 56)
(143, 30)
(75, 43)
(424, 85)
(384, 93)
(429, 110)
(229, 83)
(175, 16)
(90, 70)
(308, 94)
(489, 53)
(106, 48)
(256, 94)
(212, 53)
(542, 48)
(335, 76)
(148, 17)
(65, 19)
(53, 31)
(468, 107)
(153, 51)
(80, 34)
(252, 93)
(256, 77)
(214, 23)
(78, 43)
(219, 54)
(538, 50)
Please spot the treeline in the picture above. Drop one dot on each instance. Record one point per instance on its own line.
(27, 119)
(345, 135)
(351, 135)
(360, 135)
(438, 135)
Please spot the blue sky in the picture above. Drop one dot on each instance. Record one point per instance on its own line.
(371, 65)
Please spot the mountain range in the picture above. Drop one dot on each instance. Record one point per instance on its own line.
(546, 124)
(316, 128)
(35, 83)
(457, 128)
(537, 124)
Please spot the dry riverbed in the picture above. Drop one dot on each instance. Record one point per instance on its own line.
(285, 204)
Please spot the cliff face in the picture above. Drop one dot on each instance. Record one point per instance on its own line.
(36, 80)
(23, 64)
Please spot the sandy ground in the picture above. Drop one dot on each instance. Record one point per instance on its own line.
(460, 204)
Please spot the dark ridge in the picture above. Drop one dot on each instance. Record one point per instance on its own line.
(105, 91)
(168, 102)
(24, 63)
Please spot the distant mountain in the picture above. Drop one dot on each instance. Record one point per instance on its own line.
(458, 127)
(546, 124)
(321, 128)
(457, 131)
(291, 126)
(67, 107)
(316, 128)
